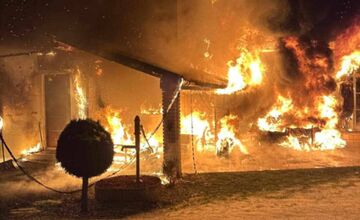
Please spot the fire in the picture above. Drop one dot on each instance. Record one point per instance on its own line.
(349, 64)
(80, 95)
(226, 137)
(115, 126)
(297, 143)
(197, 125)
(327, 138)
(246, 70)
(309, 114)
(327, 111)
(119, 131)
(1, 123)
(272, 121)
(145, 110)
(50, 53)
(154, 143)
(194, 123)
(36, 148)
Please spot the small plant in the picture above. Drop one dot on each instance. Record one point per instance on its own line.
(85, 149)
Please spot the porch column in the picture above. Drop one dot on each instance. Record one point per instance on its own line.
(171, 126)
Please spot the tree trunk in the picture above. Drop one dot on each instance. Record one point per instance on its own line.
(84, 195)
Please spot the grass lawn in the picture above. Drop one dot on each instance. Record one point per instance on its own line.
(190, 191)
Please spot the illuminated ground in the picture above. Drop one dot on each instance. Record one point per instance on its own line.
(265, 156)
(301, 198)
(269, 182)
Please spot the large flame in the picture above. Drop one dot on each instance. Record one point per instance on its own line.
(227, 138)
(349, 64)
(328, 138)
(80, 95)
(119, 131)
(311, 106)
(245, 70)
(318, 110)
(114, 124)
(197, 125)
(272, 120)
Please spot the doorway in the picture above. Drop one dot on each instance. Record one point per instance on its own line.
(57, 106)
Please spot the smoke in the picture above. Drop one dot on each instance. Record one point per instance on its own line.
(300, 33)
(307, 58)
(197, 39)
(52, 176)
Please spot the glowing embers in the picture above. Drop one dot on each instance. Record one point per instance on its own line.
(246, 70)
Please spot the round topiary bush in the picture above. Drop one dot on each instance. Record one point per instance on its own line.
(85, 149)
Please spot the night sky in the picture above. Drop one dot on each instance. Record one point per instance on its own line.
(169, 33)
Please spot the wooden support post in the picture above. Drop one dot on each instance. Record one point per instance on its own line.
(137, 147)
(171, 127)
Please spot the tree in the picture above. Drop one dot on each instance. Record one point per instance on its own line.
(85, 149)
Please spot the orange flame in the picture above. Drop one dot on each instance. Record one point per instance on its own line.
(1, 123)
(80, 96)
(120, 135)
(349, 64)
(246, 70)
(227, 138)
(200, 128)
(36, 148)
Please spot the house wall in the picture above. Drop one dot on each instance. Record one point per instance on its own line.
(21, 98)
(104, 83)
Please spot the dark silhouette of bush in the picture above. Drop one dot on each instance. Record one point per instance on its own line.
(85, 149)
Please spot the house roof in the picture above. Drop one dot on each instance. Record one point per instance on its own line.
(147, 36)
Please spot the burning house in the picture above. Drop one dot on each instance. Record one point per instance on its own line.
(210, 80)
